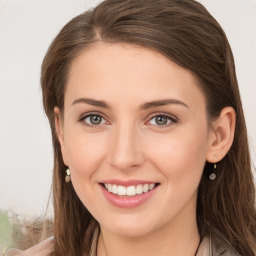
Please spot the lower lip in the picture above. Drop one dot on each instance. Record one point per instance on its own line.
(128, 201)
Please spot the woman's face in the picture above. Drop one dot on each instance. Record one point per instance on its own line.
(136, 123)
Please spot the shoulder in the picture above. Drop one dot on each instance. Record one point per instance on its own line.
(215, 245)
(44, 248)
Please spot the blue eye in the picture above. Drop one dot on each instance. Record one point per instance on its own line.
(162, 120)
(93, 120)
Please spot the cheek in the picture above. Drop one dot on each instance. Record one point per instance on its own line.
(85, 153)
(180, 159)
(181, 156)
(85, 157)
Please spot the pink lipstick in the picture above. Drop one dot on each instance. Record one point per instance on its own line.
(128, 194)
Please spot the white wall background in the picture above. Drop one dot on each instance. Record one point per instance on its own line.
(26, 30)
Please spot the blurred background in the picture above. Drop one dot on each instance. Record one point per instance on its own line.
(27, 27)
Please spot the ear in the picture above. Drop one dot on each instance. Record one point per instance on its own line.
(221, 135)
(59, 133)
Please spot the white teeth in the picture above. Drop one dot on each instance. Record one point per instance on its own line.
(145, 188)
(121, 191)
(114, 189)
(151, 186)
(129, 191)
(139, 189)
(109, 187)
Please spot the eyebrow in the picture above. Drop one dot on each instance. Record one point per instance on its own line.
(93, 102)
(159, 103)
(147, 105)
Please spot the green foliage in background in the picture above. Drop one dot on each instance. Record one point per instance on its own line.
(5, 230)
(17, 232)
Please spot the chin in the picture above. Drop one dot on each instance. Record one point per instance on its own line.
(130, 228)
(131, 231)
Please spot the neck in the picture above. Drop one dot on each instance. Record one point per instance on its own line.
(169, 240)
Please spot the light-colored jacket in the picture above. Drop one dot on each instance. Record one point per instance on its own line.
(214, 245)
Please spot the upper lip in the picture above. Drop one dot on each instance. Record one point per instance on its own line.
(127, 183)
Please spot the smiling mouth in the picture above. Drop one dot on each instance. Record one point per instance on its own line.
(130, 190)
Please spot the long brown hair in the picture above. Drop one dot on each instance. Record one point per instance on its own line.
(185, 32)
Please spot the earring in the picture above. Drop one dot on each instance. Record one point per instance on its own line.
(213, 175)
(67, 178)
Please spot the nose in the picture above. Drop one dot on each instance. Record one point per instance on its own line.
(125, 150)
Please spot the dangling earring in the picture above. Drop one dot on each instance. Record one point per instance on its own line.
(67, 178)
(213, 175)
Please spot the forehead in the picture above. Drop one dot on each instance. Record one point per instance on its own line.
(112, 71)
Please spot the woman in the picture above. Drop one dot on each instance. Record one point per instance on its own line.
(150, 145)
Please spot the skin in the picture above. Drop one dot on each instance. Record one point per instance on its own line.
(129, 144)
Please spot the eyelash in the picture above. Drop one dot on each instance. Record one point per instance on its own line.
(82, 119)
(171, 119)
